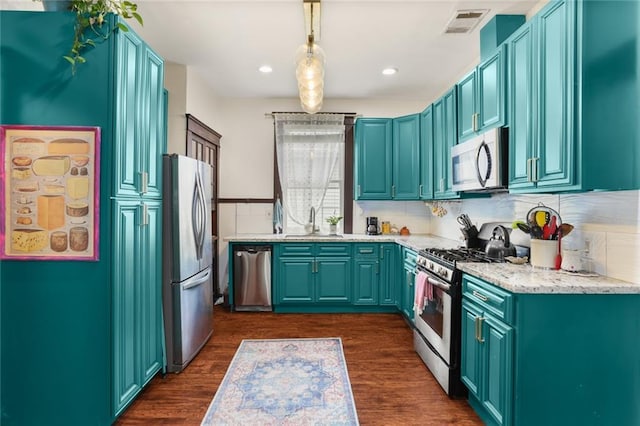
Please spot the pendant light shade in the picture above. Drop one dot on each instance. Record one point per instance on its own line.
(310, 62)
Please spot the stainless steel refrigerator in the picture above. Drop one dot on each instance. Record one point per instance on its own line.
(187, 258)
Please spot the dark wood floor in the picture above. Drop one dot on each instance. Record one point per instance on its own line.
(391, 385)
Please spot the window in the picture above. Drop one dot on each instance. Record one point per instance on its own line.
(310, 151)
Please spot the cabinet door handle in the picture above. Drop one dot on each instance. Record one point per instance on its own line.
(144, 213)
(359, 190)
(480, 321)
(381, 252)
(474, 122)
(366, 251)
(144, 182)
(480, 296)
(377, 267)
(535, 168)
(529, 162)
(441, 184)
(393, 191)
(315, 266)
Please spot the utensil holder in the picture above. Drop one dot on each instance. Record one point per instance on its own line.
(543, 253)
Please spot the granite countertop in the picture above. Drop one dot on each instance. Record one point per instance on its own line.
(515, 278)
(414, 242)
(528, 279)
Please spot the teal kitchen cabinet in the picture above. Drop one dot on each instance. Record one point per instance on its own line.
(406, 158)
(524, 351)
(103, 360)
(139, 108)
(541, 143)
(309, 273)
(487, 349)
(426, 154)
(388, 274)
(373, 158)
(408, 283)
(366, 273)
(481, 96)
(374, 274)
(137, 316)
(573, 98)
(387, 161)
(445, 136)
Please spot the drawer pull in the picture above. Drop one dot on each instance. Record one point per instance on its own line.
(366, 251)
(480, 296)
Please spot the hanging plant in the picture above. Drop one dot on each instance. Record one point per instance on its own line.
(90, 26)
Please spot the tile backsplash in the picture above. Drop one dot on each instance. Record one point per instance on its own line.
(607, 224)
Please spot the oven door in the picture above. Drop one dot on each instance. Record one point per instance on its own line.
(434, 323)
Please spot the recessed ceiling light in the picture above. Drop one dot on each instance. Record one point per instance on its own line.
(389, 71)
(265, 69)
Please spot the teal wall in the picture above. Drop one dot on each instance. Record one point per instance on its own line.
(55, 316)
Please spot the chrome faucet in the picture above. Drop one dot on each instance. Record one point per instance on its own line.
(312, 219)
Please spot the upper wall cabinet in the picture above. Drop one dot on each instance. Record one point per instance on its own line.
(373, 153)
(481, 96)
(138, 147)
(387, 161)
(426, 154)
(573, 86)
(406, 157)
(445, 136)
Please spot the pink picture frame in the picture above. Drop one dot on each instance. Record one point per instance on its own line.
(49, 192)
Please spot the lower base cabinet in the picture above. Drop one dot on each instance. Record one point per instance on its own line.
(137, 305)
(550, 359)
(313, 273)
(407, 282)
(335, 277)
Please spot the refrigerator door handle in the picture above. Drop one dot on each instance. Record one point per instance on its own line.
(197, 282)
(203, 216)
(196, 220)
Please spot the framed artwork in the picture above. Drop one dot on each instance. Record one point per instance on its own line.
(49, 192)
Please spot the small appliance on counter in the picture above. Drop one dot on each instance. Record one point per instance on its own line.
(372, 226)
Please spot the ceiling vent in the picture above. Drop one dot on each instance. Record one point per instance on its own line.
(464, 21)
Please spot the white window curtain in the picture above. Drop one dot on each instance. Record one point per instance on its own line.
(308, 148)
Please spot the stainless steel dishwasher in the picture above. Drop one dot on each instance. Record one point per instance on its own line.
(252, 278)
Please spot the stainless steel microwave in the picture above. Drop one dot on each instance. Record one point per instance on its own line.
(480, 163)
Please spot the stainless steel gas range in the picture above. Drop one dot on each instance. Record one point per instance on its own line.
(437, 309)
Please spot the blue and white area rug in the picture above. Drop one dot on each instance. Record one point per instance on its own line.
(285, 382)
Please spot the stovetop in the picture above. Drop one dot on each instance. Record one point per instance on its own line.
(460, 254)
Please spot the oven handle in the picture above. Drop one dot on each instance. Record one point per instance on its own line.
(435, 281)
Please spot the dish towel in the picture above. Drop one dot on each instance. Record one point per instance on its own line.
(428, 290)
(277, 216)
(421, 283)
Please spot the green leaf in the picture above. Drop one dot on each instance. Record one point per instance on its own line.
(81, 59)
(138, 18)
(122, 27)
(70, 59)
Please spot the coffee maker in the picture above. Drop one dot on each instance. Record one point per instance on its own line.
(372, 226)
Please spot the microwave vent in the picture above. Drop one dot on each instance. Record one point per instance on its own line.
(464, 21)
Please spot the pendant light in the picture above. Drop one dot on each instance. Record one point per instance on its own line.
(310, 63)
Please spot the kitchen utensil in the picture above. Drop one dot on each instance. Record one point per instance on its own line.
(464, 220)
(565, 229)
(521, 226)
(542, 223)
(405, 231)
(499, 245)
(559, 256)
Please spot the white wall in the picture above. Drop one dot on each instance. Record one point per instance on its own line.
(175, 81)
